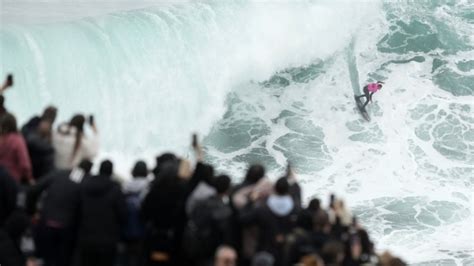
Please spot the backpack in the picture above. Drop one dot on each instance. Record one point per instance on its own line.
(198, 232)
(134, 227)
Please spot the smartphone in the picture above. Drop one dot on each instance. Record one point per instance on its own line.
(91, 119)
(10, 80)
(195, 141)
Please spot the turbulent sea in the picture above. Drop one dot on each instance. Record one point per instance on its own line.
(271, 82)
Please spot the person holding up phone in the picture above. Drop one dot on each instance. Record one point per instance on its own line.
(7, 84)
(72, 145)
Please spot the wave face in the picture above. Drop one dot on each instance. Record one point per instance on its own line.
(273, 82)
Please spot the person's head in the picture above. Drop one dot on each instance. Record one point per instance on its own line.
(225, 256)
(333, 252)
(263, 258)
(86, 166)
(8, 124)
(339, 204)
(380, 84)
(49, 114)
(106, 168)
(162, 159)
(78, 121)
(140, 170)
(320, 221)
(387, 259)
(255, 173)
(311, 260)
(314, 204)
(222, 184)
(167, 176)
(282, 187)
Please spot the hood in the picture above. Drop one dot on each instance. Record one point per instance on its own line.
(136, 185)
(98, 185)
(280, 205)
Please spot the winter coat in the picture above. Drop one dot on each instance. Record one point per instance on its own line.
(14, 156)
(60, 206)
(202, 192)
(164, 205)
(63, 143)
(102, 212)
(275, 220)
(8, 194)
(41, 150)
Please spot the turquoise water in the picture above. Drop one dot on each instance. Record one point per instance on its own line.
(273, 82)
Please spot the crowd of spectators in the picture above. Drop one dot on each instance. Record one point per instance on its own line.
(55, 211)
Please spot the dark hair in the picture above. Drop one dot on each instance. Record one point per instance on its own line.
(77, 121)
(222, 184)
(2, 101)
(255, 173)
(314, 204)
(140, 170)
(8, 124)
(208, 173)
(86, 165)
(49, 114)
(282, 187)
(161, 160)
(166, 177)
(106, 168)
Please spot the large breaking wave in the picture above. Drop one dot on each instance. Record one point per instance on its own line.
(271, 82)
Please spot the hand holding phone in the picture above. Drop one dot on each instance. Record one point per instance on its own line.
(91, 120)
(195, 141)
(9, 82)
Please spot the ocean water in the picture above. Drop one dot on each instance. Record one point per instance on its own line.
(271, 82)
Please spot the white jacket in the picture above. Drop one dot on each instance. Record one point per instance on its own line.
(64, 145)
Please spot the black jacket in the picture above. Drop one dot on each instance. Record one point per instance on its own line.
(103, 212)
(164, 205)
(62, 200)
(8, 193)
(41, 151)
(273, 228)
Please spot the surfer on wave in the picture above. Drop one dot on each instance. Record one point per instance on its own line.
(369, 90)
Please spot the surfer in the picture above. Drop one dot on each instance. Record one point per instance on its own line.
(369, 90)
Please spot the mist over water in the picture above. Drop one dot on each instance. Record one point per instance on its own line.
(273, 82)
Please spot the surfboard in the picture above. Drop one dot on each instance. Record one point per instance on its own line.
(362, 110)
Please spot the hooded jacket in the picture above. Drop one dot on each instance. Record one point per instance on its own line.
(275, 220)
(103, 211)
(60, 206)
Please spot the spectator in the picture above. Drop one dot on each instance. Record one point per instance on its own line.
(256, 187)
(134, 230)
(275, 220)
(209, 224)
(13, 152)
(8, 83)
(102, 213)
(38, 136)
(164, 209)
(71, 145)
(225, 256)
